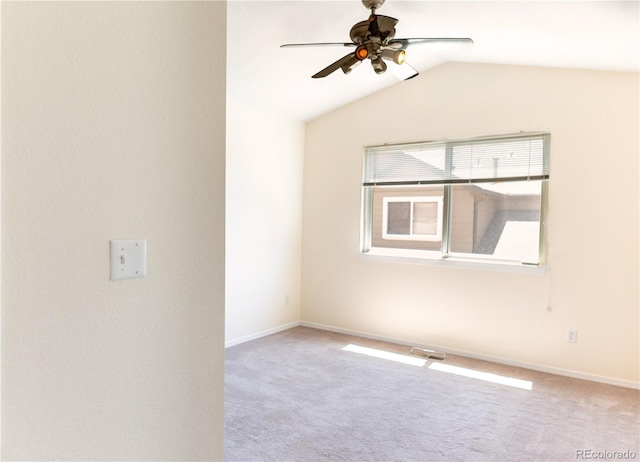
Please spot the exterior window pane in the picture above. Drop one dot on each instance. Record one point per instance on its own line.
(399, 218)
(425, 218)
(499, 220)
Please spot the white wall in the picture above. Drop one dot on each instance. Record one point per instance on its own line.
(264, 221)
(592, 278)
(113, 126)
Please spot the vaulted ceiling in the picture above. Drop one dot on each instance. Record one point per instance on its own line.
(601, 35)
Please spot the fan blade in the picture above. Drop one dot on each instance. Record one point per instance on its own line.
(382, 26)
(403, 71)
(327, 44)
(345, 62)
(401, 44)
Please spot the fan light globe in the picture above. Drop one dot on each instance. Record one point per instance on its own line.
(395, 56)
(362, 52)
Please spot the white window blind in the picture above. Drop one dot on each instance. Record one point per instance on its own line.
(523, 156)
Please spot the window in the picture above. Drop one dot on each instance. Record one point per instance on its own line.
(482, 199)
(412, 218)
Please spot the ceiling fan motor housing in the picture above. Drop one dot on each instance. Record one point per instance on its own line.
(362, 31)
(359, 31)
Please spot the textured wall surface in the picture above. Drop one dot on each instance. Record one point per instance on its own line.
(592, 279)
(113, 127)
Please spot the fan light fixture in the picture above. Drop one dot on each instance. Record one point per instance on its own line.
(362, 52)
(379, 66)
(397, 57)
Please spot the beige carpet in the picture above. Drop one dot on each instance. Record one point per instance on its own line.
(300, 396)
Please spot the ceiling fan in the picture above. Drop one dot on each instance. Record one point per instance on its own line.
(374, 40)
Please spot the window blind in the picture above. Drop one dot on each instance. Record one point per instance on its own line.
(524, 156)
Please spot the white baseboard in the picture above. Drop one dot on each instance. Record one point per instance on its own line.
(264, 333)
(494, 359)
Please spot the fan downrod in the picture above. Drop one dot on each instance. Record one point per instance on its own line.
(372, 4)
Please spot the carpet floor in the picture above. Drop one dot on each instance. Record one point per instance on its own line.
(299, 395)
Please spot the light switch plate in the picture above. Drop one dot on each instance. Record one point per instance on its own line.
(128, 259)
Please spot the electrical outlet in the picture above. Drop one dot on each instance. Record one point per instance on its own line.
(572, 335)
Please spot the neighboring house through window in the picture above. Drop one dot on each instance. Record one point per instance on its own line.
(482, 198)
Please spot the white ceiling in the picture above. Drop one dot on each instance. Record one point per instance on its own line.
(573, 34)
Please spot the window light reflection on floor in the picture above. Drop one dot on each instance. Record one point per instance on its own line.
(386, 355)
(487, 377)
(441, 367)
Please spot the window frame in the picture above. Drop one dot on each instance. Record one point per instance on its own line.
(438, 200)
(445, 255)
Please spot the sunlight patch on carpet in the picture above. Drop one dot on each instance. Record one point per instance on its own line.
(487, 377)
(385, 355)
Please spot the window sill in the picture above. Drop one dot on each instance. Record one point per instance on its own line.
(436, 259)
